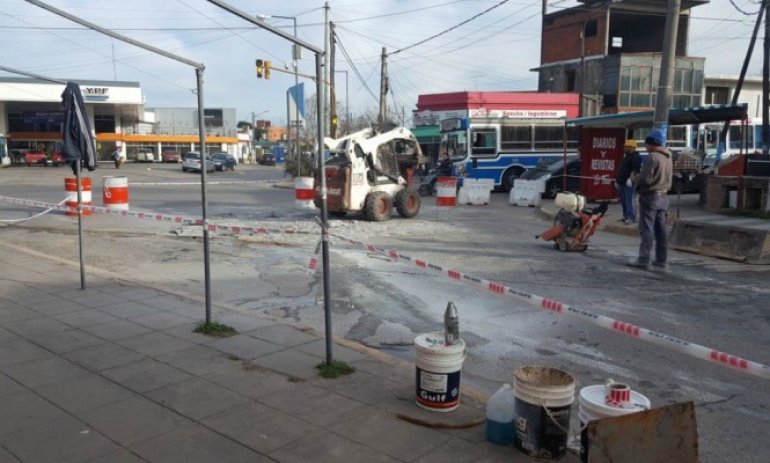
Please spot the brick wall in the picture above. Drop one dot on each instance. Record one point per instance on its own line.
(561, 36)
(753, 192)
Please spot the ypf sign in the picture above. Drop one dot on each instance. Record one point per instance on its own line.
(601, 151)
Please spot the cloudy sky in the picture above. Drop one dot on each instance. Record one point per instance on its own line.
(492, 52)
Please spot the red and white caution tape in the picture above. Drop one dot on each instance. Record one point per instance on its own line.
(178, 219)
(629, 329)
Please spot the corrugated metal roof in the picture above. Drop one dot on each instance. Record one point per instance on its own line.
(687, 116)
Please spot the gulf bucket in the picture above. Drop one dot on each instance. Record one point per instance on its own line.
(71, 189)
(544, 398)
(446, 191)
(438, 372)
(303, 192)
(115, 193)
(606, 401)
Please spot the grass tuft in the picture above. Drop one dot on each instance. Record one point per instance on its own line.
(214, 329)
(334, 370)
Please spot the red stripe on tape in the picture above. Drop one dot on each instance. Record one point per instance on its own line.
(393, 254)
(496, 288)
(727, 359)
(454, 274)
(420, 263)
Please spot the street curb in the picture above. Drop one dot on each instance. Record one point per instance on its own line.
(353, 345)
(284, 185)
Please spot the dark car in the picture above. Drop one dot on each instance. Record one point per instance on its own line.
(552, 171)
(223, 161)
(267, 159)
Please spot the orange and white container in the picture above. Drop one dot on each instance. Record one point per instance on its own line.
(71, 189)
(303, 192)
(115, 193)
(446, 191)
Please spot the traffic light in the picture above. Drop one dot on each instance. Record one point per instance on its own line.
(268, 65)
(260, 68)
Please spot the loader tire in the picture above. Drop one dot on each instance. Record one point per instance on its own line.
(408, 203)
(378, 206)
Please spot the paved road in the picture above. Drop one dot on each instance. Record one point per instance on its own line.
(384, 304)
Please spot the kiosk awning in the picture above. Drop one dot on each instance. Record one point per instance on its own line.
(687, 116)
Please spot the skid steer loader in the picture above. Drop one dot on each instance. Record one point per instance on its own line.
(369, 172)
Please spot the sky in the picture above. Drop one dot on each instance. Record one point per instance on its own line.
(492, 52)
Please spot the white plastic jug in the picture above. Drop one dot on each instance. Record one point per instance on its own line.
(500, 414)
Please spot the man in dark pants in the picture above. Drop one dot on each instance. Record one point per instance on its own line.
(631, 164)
(653, 184)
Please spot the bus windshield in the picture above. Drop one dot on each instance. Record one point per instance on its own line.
(455, 144)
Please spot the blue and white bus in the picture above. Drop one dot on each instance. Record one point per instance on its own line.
(502, 144)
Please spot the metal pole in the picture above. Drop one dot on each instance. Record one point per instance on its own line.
(332, 85)
(297, 143)
(383, 89)
(347, 103)
(326, 62)
(80, 226)
(766, 84)
(324, 215)
(663, 102)
(204, 204)
(288, 126)
(33, 75)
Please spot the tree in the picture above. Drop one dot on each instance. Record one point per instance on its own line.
(244, 126)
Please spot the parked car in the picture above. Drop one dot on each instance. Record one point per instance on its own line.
(552, 172)
(171, 156)
(56, 159)
(192, 162)
(34, 157)
(145, 155)
(267, 159)
(223, 161)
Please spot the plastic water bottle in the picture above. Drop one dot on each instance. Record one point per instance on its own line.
(500, 413)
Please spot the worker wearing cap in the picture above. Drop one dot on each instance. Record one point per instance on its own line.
(653, 184)
(631, 164)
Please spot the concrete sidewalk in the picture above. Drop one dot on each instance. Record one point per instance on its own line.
(115, 374)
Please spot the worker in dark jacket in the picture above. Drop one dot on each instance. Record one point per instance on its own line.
(631, 164)
(653, 184)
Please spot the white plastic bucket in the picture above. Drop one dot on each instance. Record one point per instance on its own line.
(303, 192)
(115, 193)
(438, 372)
(595, 403)
(544, 399)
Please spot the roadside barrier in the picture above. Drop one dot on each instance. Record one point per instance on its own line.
(71, 187)
(303, 192)
(446, 191)
(115, 193)
(685, 347)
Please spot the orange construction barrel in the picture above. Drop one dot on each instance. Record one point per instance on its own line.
(71, 189)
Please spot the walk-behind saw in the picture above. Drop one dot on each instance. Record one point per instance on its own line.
(574, 224)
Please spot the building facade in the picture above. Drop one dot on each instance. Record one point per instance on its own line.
(719, 89)
(610, 54)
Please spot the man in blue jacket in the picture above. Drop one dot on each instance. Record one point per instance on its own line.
(631, 164)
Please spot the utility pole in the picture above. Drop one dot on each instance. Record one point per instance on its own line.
(326, 66)
(663, 102)
(383, 90)
(766, 84)
(332, 85)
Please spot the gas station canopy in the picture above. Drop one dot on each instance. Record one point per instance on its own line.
(687, 116)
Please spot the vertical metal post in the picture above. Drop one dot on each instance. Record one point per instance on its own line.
(332, 85)
(288, 126)
(766, 84)
(80, 225)
(564, 170)
(204, 203)
(325, 62)
(667, 60)
(297, 143)
(347, 103)
(383, 89)
(324, 212)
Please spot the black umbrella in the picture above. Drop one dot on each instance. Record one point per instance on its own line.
(79, 149)
(78, 139)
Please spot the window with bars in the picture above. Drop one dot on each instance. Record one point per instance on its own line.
(516, 137)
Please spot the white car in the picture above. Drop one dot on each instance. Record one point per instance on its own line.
(192, 162)
(145, 156)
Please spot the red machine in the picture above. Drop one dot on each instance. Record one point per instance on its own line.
(574, 223)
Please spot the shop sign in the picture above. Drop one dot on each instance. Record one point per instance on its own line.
(96, 93)
(601, 151)
(519, 113)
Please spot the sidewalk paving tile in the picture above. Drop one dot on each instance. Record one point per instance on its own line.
(133, 420)
(194, 444)
(197, 360)
(131, 292)
(318, 348)
(127, 309)
(62, 440)
(314, 404)
(167, 302)
(290, 362)
(23, 410)
(244, 323)
(197, 398)
(162, 320)
(35, 298)
(91, 297)
(186, 332)
(104, 356)
(9, 386)
(56, 306)
(82, 394)
(251, 383)
(145, 375)
(283, 335)
(16, 312)
(118, 329)
(261, 428)
(327, 447)
(391, 436)
(85, 317)
(36, 326)
(245, 347)
(459, 451)
(18, 350)
(6, 457)
(67, 341)
(37, 373)
(360, 386)
(154, 344)
(119, 456)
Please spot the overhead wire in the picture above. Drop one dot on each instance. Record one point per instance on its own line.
(354, 67)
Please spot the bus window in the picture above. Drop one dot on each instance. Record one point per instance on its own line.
(734, 138)
(516, 137)
(454, 144)
(549, 138)
(484, 142)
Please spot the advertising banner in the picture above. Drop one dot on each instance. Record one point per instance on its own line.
(601, 151)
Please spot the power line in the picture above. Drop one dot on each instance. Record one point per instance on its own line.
(353, 66)
(445, 31)
(741, 10)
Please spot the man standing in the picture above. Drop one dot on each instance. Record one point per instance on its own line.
(653, 183)
(631, 165)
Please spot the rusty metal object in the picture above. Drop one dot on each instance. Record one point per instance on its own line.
(661, 435)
